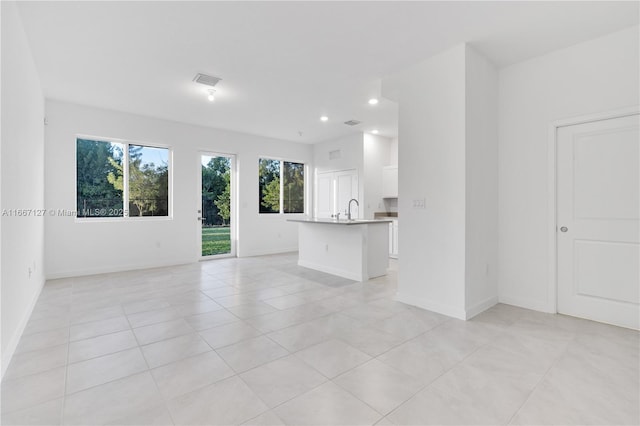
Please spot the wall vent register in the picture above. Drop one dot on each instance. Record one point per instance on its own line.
(207, 80)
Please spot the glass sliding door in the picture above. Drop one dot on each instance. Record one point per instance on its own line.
(217, 209)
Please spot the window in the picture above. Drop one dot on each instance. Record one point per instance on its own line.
(99, 178)
(148, 181)
(112, 175)
(292, 187)
(281, 186)
(269, 177)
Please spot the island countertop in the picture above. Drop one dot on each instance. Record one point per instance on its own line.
(339, 222)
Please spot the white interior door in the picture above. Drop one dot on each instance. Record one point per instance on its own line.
(346, 189)
(324, 195)
(597, 216)
(333, 192)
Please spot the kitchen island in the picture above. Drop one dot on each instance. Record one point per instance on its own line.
(355, 249)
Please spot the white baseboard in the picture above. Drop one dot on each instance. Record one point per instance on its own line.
(534, 305)
(8, 353)
(118, 268)
(150, 265)
(448, 310)
(253, 253)
(332, 271)
(481, 307)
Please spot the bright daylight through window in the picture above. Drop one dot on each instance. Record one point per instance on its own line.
(281, 186)
(108, 172)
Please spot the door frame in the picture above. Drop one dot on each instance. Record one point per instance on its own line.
(552, 186)
(233, 228)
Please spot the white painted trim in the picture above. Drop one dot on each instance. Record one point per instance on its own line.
(8, 353)
(120, 268)
(253, 253)
(551, 304)
(448, 310)
(333, 271)
(480, 307)
(552, 259)
(526, 304)
(606, 115)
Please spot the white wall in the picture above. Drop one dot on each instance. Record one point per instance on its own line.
(431, 97)
(591, 77)
(448, 127)
(2, 351)
(481, 183)
(22, 181)
(74, 248)
(376, 155)
(351, 154)
(393, 153)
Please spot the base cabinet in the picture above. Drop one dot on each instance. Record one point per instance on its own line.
(393, 239)
(354, 251)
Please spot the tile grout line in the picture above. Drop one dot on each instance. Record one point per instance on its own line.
(244, 320)
(150, 373)
(66, 377)
(553, 364)
(478, 348)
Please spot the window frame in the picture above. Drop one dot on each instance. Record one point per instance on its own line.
(305, 203)
(125, 177)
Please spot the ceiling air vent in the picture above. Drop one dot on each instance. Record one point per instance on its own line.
(206, 79)
(352, 122)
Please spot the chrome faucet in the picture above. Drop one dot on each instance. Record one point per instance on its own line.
(349, 213)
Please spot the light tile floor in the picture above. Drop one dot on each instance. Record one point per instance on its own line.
(263, 341)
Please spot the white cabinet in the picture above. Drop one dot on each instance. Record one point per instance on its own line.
(390, 182)
(324, 195)
(393, 239)
(333, 192)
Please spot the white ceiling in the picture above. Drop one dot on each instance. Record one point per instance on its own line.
(282, 64)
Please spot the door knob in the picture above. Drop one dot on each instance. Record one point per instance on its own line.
(564, 229)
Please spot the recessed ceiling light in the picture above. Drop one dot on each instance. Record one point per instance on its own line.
(210, 96)
(374, 131)
(373, 101)
(324, 118)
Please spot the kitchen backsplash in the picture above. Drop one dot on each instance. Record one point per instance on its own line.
(379, 215)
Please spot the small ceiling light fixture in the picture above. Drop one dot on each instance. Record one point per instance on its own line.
(210, 95)
(373, 101)
(374, 131)
(324, 118)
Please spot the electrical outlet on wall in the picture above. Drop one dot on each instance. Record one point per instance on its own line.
(419, 203)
